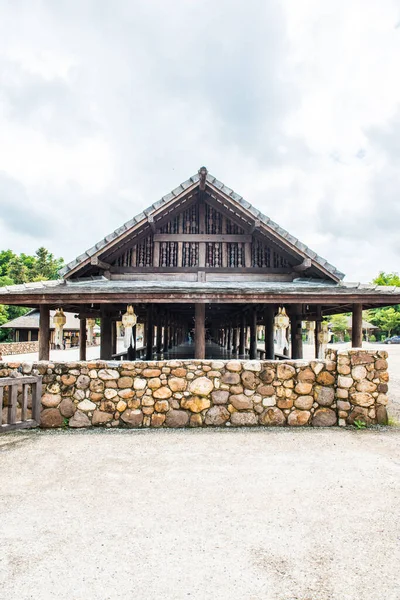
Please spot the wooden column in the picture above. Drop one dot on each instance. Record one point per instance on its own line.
(296, 334)
(82, 338)
(105, 341)
(269, 314)
(253, 333)
(242, 337)
(229, 343)
(150, 333)
(44, 333)
(235, 340)
(159, 334)
(356, 330)
(165, 340)
(317, 330)
(131, 353)
(200, 331)
(113, 337)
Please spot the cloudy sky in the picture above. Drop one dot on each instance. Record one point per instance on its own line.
(105, 106)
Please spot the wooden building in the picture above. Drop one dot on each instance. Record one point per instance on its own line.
(200, 257)
(26, 328)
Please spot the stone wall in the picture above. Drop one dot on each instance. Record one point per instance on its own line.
(347, 386)
(10, 348)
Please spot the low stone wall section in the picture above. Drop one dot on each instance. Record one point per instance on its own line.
(9, 348)
(347, 386)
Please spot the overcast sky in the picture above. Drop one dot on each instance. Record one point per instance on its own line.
(105, 106)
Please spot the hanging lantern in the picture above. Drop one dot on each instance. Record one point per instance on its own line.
(281, 323)
(90, 323)
(129, 320)
(59, 321)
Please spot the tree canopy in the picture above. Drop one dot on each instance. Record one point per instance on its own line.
(23, 268)
(388, 318)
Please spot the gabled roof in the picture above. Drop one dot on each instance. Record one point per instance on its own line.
(283, 235)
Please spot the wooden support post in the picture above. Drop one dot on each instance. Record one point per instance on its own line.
(253, 333)
(356, 330)
(229, 342)
(296, 332)
(150, 333)
(165, 339)
(269, 313)
(44, 333)
(159, 334)
(247, 255)
(105, 340)
(317, 330)
(131, 353)
(82, 339)
(200, 331)
(113, 337)
(242, 337)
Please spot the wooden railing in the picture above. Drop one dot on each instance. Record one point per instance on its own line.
(14, 401)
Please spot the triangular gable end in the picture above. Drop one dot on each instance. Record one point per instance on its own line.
(203, 225)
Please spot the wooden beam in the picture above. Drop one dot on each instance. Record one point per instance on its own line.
(96, 262)
(306, 264)
(201, 237)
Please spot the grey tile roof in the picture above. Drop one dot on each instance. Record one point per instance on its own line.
(229, 194)
(297, 287)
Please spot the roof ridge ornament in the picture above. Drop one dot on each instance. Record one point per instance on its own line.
(202, 178)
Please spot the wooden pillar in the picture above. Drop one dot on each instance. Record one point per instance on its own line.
(242, 340)
(356, 330)
(44, 333)
(105, 341)
(159, 334)
(82, 338)
(165, 340)
(131, 353)
(296, 334)
(317, 330)
(229, 343)
(200, 331)
(150, 332)
(253, 333)
(269, 313)
(235, 340)
(113, 337)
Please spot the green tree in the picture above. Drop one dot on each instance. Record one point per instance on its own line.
(338, 325)
(387, 279)
(46, 266)
(17, 270)
(387, 319)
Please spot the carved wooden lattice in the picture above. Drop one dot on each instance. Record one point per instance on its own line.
(214, 255)
(169, 254)
(264, 257)
(190, 254)
(140, 255)
(186, 222)
(235, 255)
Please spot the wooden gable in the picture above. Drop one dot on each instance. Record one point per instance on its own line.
(201, 233)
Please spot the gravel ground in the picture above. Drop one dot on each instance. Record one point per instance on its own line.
(271, 514)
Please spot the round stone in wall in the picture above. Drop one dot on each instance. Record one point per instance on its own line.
(324, 417)
(217, 415)
(201, 386)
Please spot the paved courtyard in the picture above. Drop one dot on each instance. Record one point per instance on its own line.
(272, 514)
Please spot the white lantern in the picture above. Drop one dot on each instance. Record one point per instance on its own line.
(59, 321)
(281, 323)
(129, 320)
(90, 323)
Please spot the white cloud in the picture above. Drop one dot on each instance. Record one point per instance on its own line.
(104, 107)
